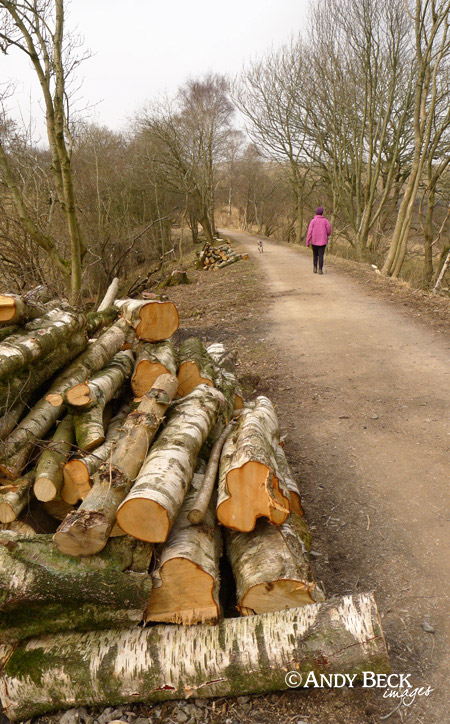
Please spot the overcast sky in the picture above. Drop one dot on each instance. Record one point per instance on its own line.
(141, 48)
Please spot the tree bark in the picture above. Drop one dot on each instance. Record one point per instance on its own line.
(152, 360)
(49, 472)
(150, 509)
(284, 472)
(171, 662)
(11, 417)
(44, 591)
(186, 581)
(15, 450)
(17, 310)
(152, 320)
(86, 530)
(271, 568)
(227, 364)
(99, 319)
(195, 366)
(110, 296)
(14, 498)
(249, 486)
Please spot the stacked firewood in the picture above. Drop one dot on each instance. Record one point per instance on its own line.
(213, 257)
(151, 461)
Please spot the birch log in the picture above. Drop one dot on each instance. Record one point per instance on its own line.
(43, 591)
(86, 530)
(226, 362)
(14, 498)
(110, 295)
(153, 320)
(271, 568)
(152, 360)
(186, 581)
(11, 417)
(78, 472)
(150, 509)
(238, 656)
(18, 310)
(97, 320)
(195, 366)
(248, 484)
(16, 449)
(284, 472)
(49, 472)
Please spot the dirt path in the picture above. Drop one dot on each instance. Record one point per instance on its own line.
(367, 396)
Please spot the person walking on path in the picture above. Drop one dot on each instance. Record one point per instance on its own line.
(319, 230)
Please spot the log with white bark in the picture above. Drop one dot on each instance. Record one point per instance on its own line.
(195, 366)
(44, 591)
(248, 484)
(49, 471)
(202, 498)
(14, 498)
(238, 656)
(152, 360)
(16, 309)
(271, 567)
(150, 509)
(79, 471)
(23, 349)
(186, 580)
(11, 417)
(110, 295)
(153, 320)
(88, 399)
(16, 449)
(97, 320)
(285, 474)
(226, 361)
(86, 530)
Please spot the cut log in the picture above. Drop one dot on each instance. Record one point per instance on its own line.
(86, 530)
(195, 366)
(153, 320)
(18, 310)
(271, 568)
(44, 591)
(248, 485)
(111, 294)
(186, 581)
(78, 472)
(201, 501)
(16, 449)
(101, 318)
(150, 509)
(18, 526)
(58, 509)
(49, 472)
(11, 417)
(238, 656)
(152, 360)
(226, 361)
(23, 349)
(14, 498)
(284, 472)
(6, 332)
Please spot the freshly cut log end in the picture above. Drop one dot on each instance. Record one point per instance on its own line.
(254, 491)
(153, 320)
(152, 360)
(79, 395)
(296, 503)
(7, 308)
(81, 539)
(145, 374)
(238, 402)
(77, 482)
(14, 498)
(135, 516)
(189, 377)
(184, 581)
(45, 489)
(275, 596)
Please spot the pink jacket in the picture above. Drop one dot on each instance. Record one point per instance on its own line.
(319, 230)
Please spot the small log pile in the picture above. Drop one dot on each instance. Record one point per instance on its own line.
(214, 257)
(145, 464)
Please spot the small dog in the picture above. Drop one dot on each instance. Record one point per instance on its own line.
(260, 246)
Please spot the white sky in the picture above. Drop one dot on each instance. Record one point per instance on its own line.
(142, 48)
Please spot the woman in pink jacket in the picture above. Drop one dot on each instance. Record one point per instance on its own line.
(319, 230)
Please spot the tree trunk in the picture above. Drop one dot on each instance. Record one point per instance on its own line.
(238, 656)
(195, 366)
(17, 310)
(152, 320)
(78, 472)
(152, 360)
(15, 450)
(186, 581)
(98, 320)
(227, 364)
(14, 498)
(248, 484)
(271, 568)
(49, 472)
(151, 507)
(44, 591)
(284, 472)
(86, 530)
(110, 296)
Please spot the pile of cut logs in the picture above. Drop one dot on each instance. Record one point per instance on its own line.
(149, 457)
(215, 257)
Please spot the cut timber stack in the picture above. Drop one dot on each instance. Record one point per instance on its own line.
(213, 257)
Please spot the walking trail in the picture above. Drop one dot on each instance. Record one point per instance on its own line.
(368, 400)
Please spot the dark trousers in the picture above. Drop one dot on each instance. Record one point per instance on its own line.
(318, 252)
